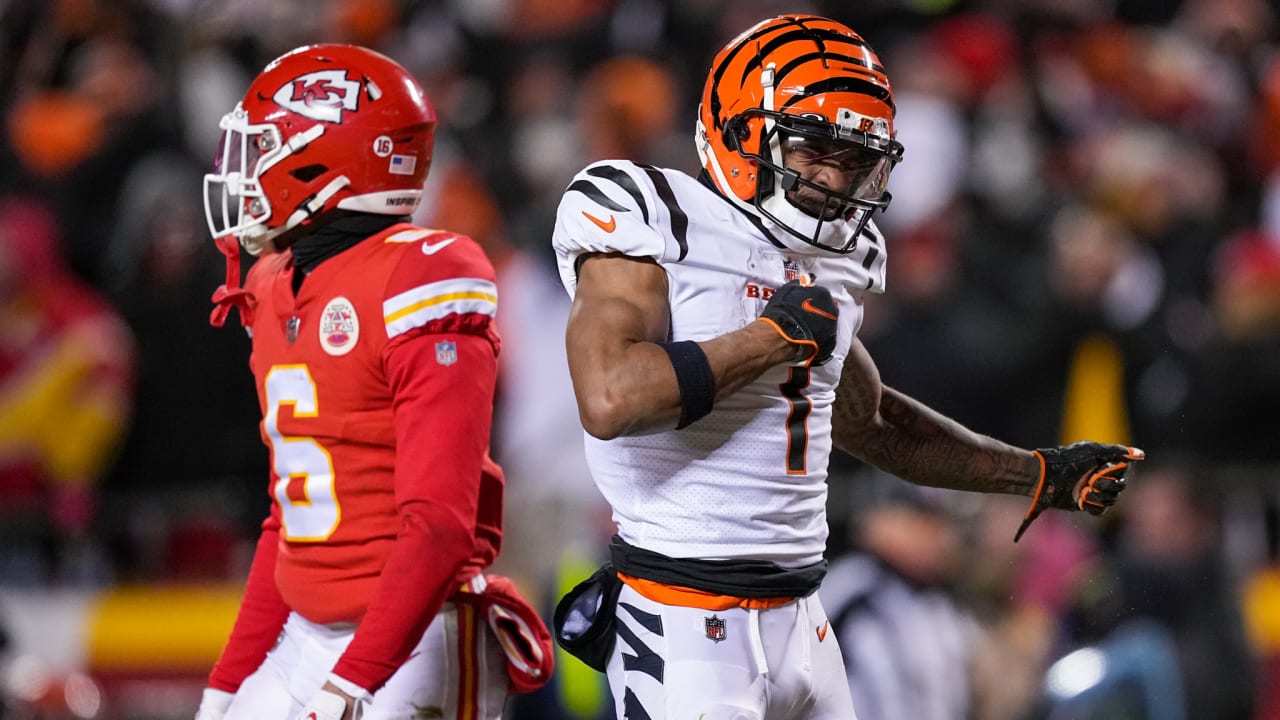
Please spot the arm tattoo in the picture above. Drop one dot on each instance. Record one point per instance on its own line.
(918, 444)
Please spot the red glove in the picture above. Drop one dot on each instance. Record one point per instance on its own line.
(520, 630)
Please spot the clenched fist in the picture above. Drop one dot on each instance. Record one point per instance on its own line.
(807, 317)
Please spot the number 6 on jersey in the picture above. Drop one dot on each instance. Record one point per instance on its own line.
(304, 487)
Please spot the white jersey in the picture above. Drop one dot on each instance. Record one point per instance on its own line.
(747, 481)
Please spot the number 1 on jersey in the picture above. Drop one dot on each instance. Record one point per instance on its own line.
(797, 419)
(304, 488)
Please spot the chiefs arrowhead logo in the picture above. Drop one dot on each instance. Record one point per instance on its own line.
(321, 95)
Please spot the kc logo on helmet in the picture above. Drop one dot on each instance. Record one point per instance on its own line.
(321, 95)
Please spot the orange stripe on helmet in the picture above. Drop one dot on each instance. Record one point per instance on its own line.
(814, 61)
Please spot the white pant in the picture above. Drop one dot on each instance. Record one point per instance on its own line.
(456, 671)
(776, 664)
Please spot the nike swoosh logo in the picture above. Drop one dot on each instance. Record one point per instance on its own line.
(822, 631)
(808, 305)
(605, 226)
(432, 249)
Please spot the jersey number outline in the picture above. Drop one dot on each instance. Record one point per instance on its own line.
(304, 487)
(797, 419)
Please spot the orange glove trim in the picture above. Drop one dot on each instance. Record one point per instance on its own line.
(812, 344)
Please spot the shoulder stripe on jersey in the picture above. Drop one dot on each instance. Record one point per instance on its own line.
(624, 181)
(419, 306)
(679, 221)
(870, 259)
(873, 233)
(596, 195)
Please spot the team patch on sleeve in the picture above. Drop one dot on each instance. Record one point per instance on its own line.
(419, 306)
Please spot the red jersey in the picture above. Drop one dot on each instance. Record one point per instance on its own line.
(376, 383)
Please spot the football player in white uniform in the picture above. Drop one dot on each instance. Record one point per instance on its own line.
(712, 344)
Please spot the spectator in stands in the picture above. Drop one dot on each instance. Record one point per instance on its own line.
(66, 369)
(1169, 569)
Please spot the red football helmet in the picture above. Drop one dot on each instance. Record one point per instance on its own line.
(321, 127)
(816, 89)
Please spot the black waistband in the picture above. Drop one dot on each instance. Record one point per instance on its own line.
(736, 578)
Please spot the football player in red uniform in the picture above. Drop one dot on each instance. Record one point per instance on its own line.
(374, 356)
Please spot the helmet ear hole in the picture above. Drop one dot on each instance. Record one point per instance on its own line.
(736, 132)
(308, 173)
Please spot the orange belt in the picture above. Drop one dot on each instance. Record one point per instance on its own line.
(688, 597)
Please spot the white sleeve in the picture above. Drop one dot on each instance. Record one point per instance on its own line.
(609, 207)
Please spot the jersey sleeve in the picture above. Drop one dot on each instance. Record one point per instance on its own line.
(448, 285)
(261, 616)
(609, 207)
(441, 364)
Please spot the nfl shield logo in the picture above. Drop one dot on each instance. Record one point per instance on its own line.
(446, 352)
(715, 628)
(790, 270)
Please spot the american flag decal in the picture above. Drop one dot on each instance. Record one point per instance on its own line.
(402, 164)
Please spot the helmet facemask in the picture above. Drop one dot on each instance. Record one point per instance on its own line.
(795, 128)
(827, 217)
(322, 128)
(234, 200)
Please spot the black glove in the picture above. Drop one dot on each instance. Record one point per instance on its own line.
(1097, 470)
(806, 316)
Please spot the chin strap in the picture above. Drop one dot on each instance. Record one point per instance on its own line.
(230, 294)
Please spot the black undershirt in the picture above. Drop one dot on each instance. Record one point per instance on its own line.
(344, 230)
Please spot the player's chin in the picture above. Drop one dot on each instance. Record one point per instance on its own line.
(816, 205)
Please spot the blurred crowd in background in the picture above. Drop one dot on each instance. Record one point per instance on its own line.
(1084, 242)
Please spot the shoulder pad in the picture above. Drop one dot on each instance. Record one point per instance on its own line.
(437, 274)
(618, 206)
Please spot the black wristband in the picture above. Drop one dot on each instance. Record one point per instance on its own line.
(696, 381)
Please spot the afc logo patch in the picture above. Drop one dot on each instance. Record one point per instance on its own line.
(321, 95)
(715, 628)
(339, 327)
